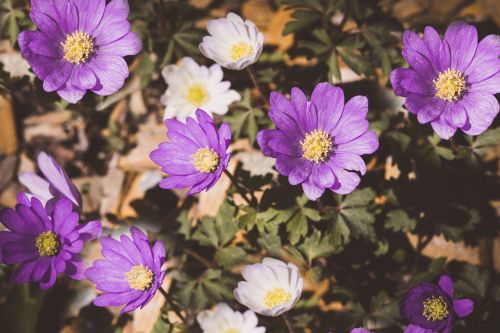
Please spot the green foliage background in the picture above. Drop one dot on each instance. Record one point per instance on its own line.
(353, 250)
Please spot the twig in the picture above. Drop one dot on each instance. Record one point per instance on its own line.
(240, 190)
(287, 322)
(196, 256)
(174, 306)
(253, 77)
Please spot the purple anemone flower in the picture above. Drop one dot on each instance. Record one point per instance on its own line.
(79, 46)
(195, 155)
(55, 183)
(432, 308)
(130, 272)
(451, 82)
(45, 241)
(319, 143)
(360, 330)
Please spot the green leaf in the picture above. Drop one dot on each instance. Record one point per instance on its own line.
(435, 269)
(399, 140)
(266, 221)
(354, 212)
(189, 41)
(13, 29)
(384, 61)
(445, 153)
(333, 66)
(297, 227)
(487, 140)
(26, 300)
(219, 231)
(317, 246)
(340, 233)
(303, 18)
(230, 256)
(398, 220)
(186, 224)
(359, 9)
(311, 214)
(358, 198)
(355, 60)
(209, 288)
(271, 243)
(162, 326)
(473, 282)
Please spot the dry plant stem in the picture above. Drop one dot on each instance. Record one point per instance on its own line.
(288, 323)
(196, 256)
(240, 190)
(174, 306)
(253, 77)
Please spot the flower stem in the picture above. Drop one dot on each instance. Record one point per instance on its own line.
(288, 323)
(240, 189)
(253, 77)
(173, 305)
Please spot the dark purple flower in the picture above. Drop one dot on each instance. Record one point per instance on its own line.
(195, 155)
(80, 45)
(319, 143)
(431, 308)
(130, 272)
(451, 83)
(55, 184)
(45, 241)
(360, 330)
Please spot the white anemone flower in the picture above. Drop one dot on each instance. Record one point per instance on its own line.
(192, 86)
(271, 288)
(233, 43)
(223, 319)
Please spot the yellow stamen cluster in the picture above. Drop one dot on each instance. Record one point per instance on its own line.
(240, 50)
(232, 330)
(197, 95)
(435, 308)
(47, 244)
(139, 277)
(77, 47)
(276, 296)
(449, 85)
(316, 146)
(205, 160)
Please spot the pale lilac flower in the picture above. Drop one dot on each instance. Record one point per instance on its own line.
(131, 271)
(452, 81)
(79, 46)
(44, 241)
(55, 183)
(195, 155)
(319, 143)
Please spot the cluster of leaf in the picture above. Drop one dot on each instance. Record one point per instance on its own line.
(320, 27)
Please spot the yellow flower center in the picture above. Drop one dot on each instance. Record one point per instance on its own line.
(77, 47)
(240, 50)
(197, 95)
(139, 277)
(205, 160)
(435, 308)
(449, 85)
(276, 296)
(316, 146)
(47, 244)
(232, 330)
